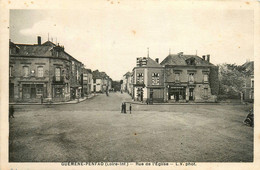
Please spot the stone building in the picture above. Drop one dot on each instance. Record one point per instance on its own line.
(148, 79)
(87, 81)
(101, 82)
(248, 89)
(39, 71)
(187, 78)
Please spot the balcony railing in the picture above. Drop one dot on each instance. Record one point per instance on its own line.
(58, 79)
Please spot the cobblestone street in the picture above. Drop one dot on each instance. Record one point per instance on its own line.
(95, 130)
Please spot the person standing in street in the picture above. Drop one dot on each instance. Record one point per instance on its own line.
(130, 108)
(11, 111)
(122, 107)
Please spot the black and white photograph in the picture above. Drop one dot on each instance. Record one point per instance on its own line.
(118, 83)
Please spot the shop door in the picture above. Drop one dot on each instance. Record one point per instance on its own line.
(26, 91)
(191, 93)
(11, 91)
(33, 93)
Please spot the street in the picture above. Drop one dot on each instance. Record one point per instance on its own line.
(95, 130)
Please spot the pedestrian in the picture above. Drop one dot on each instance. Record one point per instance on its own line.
(41, 100)
(11, 111)
(130, 108)
(122, 107)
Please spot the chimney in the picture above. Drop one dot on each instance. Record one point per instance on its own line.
(203, 57)
(208, 57)
(39, 40)
(157, 60)
(180, 53)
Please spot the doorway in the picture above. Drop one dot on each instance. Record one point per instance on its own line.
(191, 94)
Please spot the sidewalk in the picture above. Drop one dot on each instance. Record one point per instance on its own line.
(58, 103)
(191, 103)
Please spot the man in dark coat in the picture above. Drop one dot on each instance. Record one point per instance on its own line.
(130, 108)
(11, 111)
(122, 107)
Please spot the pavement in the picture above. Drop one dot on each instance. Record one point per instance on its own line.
(94, 130)
(75, 101)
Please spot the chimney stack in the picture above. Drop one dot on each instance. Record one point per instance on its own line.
(39, 40)
(157, 60)
(180, 53)
(208, 57)
(203, 57)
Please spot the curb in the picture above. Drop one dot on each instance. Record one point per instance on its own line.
(59, 103)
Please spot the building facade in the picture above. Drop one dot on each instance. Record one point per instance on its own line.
(40, 72)
(148, 79)
(178, 78)
(248, 89)
(187, 78)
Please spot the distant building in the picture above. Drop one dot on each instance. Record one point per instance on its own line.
(87, 81)
(42, 71)
(101, 82)
(248, 89)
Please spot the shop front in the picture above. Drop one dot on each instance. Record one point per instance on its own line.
(176, 93)
(33, 92)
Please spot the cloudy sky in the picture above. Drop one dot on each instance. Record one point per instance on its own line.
(111, 38)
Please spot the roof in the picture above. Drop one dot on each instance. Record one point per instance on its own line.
(99, 75)
(249, 66)
(34, 50)
(127, 74)
(39, 50)
(180, 59)
(152, 63)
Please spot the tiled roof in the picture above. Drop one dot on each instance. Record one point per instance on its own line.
(177, 59)
(152, 63)
(34, 50)
(249, 66)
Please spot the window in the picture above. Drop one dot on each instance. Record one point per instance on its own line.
(40, 71)
(57, 74)
(77, 74)
(10, 71)
(177, 77)
(140, 78)
(205, 92)
(94, 80)
(205, 78)
(155, 79)
(26, 71)
(191, 77)
(252, 83)
(73, 67)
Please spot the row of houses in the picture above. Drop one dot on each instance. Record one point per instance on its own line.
(178, 78)
(47, 72)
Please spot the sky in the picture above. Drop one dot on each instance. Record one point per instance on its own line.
(111, 38)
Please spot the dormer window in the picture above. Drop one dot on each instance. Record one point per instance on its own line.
(191, 61)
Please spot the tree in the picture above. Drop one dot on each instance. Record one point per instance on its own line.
(232, 78)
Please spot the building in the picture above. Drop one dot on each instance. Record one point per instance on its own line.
(41, 72)
(148, 79)
(101, 82)
(189, 78)
(87, 81)
(126, 82)
(248, 89)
